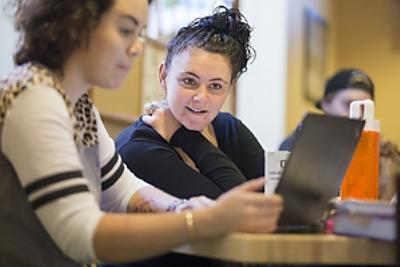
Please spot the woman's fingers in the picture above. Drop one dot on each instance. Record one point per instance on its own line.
(148, 119)
(161, 119)
(200, 202)
(251, 211)
(149, 108)
(261, 200)
(204, 201)
(260, 219)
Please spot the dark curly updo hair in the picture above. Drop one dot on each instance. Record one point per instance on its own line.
(51, 29)
(225, 32)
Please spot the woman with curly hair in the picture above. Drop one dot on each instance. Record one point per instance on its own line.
(168, 149)
(66, 198)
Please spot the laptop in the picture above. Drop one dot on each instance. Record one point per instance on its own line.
(314, 170)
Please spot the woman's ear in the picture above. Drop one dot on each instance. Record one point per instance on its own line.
(162, 75)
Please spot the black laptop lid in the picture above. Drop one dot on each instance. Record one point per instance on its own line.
(315, 168)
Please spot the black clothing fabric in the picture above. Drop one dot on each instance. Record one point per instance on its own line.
(239, 157)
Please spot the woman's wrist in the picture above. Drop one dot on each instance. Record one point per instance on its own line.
(190, 225)
(203, 223)
(178, 205)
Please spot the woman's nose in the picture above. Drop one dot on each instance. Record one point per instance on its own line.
(136, 48)
(201, 94)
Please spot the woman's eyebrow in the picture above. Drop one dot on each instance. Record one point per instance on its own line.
(219, 80)
(131, 18)
(191, 73)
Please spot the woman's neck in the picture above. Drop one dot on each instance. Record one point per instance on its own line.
(209, 133)
(73, 81)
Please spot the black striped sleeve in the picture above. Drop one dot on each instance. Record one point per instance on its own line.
(110, 174)
(50, 188)
(107, 168)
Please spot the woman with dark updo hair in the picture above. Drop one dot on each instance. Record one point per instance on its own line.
(187, 147)
(66, 198)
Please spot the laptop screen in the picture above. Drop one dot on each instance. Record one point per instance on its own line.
(315, 168)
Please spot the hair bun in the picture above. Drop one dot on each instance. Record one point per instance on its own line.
(225, 32)
(221, 23)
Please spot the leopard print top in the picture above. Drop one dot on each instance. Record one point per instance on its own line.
(30, 75)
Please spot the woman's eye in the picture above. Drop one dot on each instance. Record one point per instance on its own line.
(189, 81)
(126, 31)
(216, 86)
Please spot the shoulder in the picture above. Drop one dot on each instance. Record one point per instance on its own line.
(39, 102)
(232, 133)
(31, 83)
(137, 134)
(225, 117)
(226, 123)
(226, 120)
(38, 112)
(47, 94)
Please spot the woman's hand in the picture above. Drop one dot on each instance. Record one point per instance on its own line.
(244, 210)
(159, 116)
(196, 203)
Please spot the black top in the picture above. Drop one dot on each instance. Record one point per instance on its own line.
(239, 157)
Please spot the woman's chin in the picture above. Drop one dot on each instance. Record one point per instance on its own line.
(111, 84)
(193, 127)
(115, 85)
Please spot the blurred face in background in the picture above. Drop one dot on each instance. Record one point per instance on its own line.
(338, 104)
(196, 85)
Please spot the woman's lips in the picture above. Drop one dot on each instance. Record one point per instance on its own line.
(196, 111)
(124, 67)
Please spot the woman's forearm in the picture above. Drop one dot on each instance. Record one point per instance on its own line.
(132, 237)
(125, 238)
(150, 199)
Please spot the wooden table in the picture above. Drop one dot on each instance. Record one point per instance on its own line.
(294, 249)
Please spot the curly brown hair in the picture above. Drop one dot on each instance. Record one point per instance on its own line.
(50, 30)
(225, 32)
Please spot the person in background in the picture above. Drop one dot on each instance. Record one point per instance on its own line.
(66, 198)
(185, 145)
(341, 89)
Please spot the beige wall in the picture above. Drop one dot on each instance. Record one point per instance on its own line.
(261, 93)
(368, 37)
(363, 34)
(125, 100)
(296, 104)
